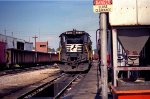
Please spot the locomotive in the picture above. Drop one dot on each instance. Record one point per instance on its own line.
(75, 51)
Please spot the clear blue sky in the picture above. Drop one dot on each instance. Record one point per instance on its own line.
(47, 19)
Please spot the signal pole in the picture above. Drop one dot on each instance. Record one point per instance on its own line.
(35, 37)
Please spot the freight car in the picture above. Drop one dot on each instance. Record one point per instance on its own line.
(43, 58)
(54, 58)
(75, 51)
(24, 58)
(2, 54)
(16, 57)
(95, 55)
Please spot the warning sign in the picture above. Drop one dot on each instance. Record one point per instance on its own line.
(102, 6)
(102, 2)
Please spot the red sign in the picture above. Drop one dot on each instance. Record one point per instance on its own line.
(102, 2)
(102, 6)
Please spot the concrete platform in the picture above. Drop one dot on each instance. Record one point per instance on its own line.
(89, 87)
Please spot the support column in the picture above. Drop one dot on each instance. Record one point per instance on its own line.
(104, 72)
(114, 44)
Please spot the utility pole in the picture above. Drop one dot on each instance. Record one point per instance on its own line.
(39, 34)
(12, 34)
(5, 32)
(29, 38)
(5, 35)
(97, 40)
(35, 37)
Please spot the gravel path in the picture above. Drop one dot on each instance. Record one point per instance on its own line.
(7, 82)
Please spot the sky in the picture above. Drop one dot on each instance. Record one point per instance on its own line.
(47, 19)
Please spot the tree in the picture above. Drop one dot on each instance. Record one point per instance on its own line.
(51, 50)
(58, 49)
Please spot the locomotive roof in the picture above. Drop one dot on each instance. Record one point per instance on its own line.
(74, 32)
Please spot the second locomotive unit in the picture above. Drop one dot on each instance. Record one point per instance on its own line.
(75, 51)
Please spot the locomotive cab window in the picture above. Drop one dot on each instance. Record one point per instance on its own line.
(62, 39)
(85, 39)
(74, 39)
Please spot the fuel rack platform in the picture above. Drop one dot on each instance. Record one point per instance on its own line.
(89, 87)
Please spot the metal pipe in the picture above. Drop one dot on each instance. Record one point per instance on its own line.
(104, 72)
(97, 31)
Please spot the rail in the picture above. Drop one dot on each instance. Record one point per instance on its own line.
(39, 89)
(63, 90)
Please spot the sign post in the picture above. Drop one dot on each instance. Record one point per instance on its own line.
(103, 7)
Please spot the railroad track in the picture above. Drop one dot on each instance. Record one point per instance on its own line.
(59, 86)
(41, 88)
(68, 87)
(21, 70)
